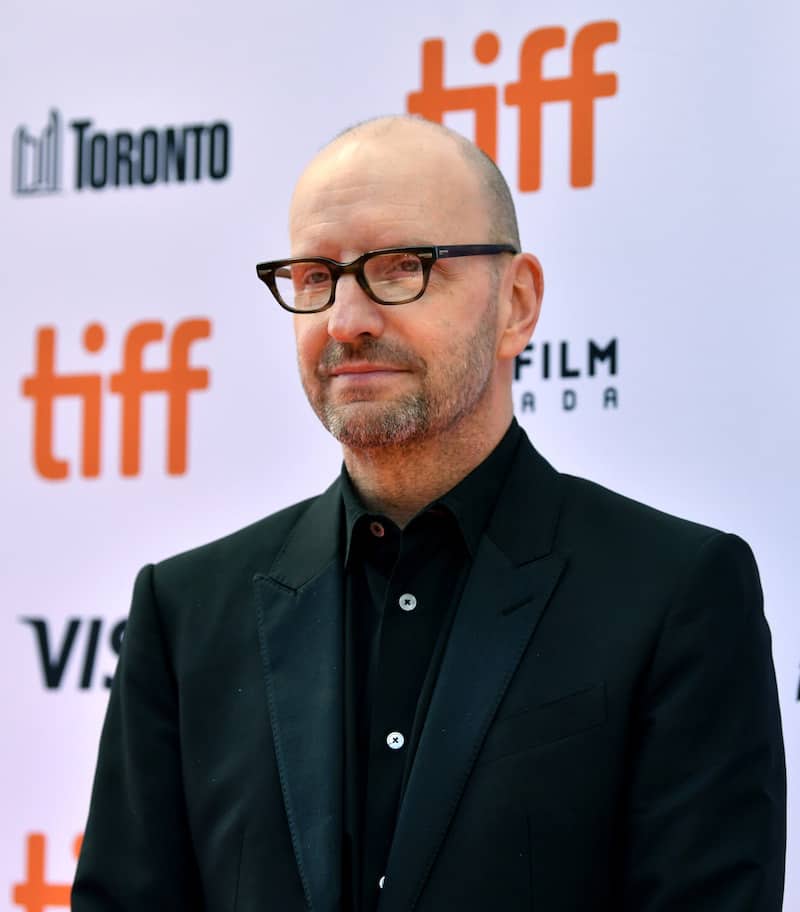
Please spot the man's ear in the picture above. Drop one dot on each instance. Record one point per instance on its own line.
(523, 289)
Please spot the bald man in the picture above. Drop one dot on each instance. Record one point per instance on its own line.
(457, 679)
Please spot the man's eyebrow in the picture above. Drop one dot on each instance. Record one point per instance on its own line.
(315, 250)
(405, 242)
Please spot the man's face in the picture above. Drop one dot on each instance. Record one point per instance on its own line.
(379, 375)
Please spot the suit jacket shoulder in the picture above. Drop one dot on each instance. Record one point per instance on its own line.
(620, 529)
(252, 546)
(199, 592)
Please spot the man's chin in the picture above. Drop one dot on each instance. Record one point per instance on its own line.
(373, 425)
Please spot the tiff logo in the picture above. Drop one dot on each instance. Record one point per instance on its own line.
(37, 159)
(529, 94)
(36, 893)
(175, 381)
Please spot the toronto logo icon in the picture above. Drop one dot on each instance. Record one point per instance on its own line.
(37, 158)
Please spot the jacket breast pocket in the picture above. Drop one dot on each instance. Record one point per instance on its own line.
(544, 724)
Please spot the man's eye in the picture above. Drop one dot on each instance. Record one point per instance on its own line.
(403, 264)
(395, 266)
(315, 277)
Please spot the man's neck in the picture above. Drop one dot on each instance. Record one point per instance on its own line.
(399, 481)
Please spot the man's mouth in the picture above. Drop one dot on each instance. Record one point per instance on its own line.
(365, 370)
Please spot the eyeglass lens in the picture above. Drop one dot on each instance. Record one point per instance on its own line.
(392, 277)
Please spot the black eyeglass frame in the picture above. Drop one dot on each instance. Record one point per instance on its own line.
(427, 255)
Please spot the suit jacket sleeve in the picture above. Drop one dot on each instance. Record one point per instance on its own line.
(706, 804)
(136, 852)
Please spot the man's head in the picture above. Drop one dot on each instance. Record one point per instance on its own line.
(386, 375)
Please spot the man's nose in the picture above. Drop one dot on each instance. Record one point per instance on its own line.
(354, 313)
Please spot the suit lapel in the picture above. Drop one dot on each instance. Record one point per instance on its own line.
(511, 580)
(299, 603)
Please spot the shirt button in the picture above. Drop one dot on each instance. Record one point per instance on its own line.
(377, 529)
(395, 740)
(408, 602)
(381, 882)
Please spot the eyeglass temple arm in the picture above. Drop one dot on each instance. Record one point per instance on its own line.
(462, 250)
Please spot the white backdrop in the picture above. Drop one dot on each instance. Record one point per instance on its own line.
(681, 251)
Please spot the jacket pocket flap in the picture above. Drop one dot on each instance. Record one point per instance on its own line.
(546, 723)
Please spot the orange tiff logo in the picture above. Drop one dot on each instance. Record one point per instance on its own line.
(36, 893)
(529, 94)
(46, 385)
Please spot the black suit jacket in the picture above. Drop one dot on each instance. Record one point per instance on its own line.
(604, 733)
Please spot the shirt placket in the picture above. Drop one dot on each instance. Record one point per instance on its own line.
(409, 620)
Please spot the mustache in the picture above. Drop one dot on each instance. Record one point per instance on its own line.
(336, 354)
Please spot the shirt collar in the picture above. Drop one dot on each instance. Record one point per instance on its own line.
(353, 511)
(470, 502)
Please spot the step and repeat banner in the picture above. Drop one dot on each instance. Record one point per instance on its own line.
(150, 399)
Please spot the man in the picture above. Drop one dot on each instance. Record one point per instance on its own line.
(457, 679)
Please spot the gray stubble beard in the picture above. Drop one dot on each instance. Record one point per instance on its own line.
(417, 416)
(385, 424)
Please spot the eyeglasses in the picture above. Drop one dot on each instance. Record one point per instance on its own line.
(393, 275)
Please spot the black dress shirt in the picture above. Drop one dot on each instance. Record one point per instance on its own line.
(403, 587)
